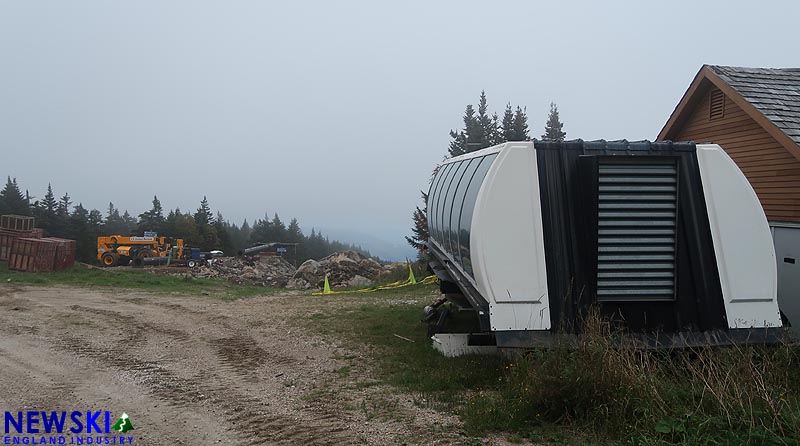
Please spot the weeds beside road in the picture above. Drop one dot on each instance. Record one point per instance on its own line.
(593, 394)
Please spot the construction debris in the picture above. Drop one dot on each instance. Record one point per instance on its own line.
(344, 269)
(269, 271)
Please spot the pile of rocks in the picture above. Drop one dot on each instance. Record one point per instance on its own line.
(344, 269)
(271, 271)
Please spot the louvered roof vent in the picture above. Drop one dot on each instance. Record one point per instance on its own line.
(716, 104)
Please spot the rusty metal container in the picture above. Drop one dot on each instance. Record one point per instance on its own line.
(65, 253)
(17, 223)
(7, 239)
(32, 254)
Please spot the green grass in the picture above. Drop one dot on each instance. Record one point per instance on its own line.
(375, 318)
(83, 276)
(594, 393)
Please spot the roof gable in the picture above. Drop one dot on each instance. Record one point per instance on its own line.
(775, 92)
(771, 96)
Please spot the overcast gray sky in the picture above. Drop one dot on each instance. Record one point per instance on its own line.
(334, 112)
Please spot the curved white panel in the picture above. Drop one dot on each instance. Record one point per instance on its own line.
(742, 242)
(508, 244)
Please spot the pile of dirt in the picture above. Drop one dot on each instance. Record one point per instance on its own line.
(271, 271)
(344, 269)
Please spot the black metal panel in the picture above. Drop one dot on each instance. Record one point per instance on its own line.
(574, 220)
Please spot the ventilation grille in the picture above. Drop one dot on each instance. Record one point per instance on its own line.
(637, 215)
(717, 104)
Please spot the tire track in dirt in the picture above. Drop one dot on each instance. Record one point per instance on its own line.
(239, 354)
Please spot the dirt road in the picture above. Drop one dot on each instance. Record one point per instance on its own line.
(191, 370)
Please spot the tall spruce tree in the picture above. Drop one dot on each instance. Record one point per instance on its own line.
(204, 219)
(245, 230)
(553, 129)
(487, 126)
(12, 201)
(507, 125)
(520, 125)
(464, 138)
(49, 203)
(64, 205)
(278, 228)
(495, 135)
(293, 232)
(153, 219)
(203, 216)
(46, 212)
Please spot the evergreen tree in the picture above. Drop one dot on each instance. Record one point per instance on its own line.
(553, 129)
(507, 125)
(293, 232)
(49, 203)
(185, 227)
(78, 230)
(45, 211)
(204, 219)
(12, 201)
(61, 225)
(223, 232)
(245, 230)
(168, 227)
(420, 229)
(88, 238)
(153, 219)
(203, 216)
(520, 126)
(480, 130)
(278, 229)
(495, 135)
(465, 138)
(114, 222)
(64, 205)
(129, 223)
(487, 126)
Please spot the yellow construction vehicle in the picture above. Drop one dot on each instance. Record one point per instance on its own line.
(116, 250)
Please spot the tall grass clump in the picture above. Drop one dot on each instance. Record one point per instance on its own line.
(611, 389)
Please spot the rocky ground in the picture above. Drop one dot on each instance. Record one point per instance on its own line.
(344, 269)
(196, 370)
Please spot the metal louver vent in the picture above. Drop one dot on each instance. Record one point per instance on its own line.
(637, 222)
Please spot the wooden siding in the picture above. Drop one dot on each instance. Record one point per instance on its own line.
(771, 169)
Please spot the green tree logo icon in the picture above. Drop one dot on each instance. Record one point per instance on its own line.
(123, 424)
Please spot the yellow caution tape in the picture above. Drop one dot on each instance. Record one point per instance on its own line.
(326, 291)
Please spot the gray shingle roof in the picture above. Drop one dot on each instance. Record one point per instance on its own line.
(775, 92)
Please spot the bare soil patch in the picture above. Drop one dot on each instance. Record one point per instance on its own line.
(196, 370)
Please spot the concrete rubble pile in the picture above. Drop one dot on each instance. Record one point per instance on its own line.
(266, 271)
(344, 269)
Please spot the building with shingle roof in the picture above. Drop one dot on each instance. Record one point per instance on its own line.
(754, 115)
